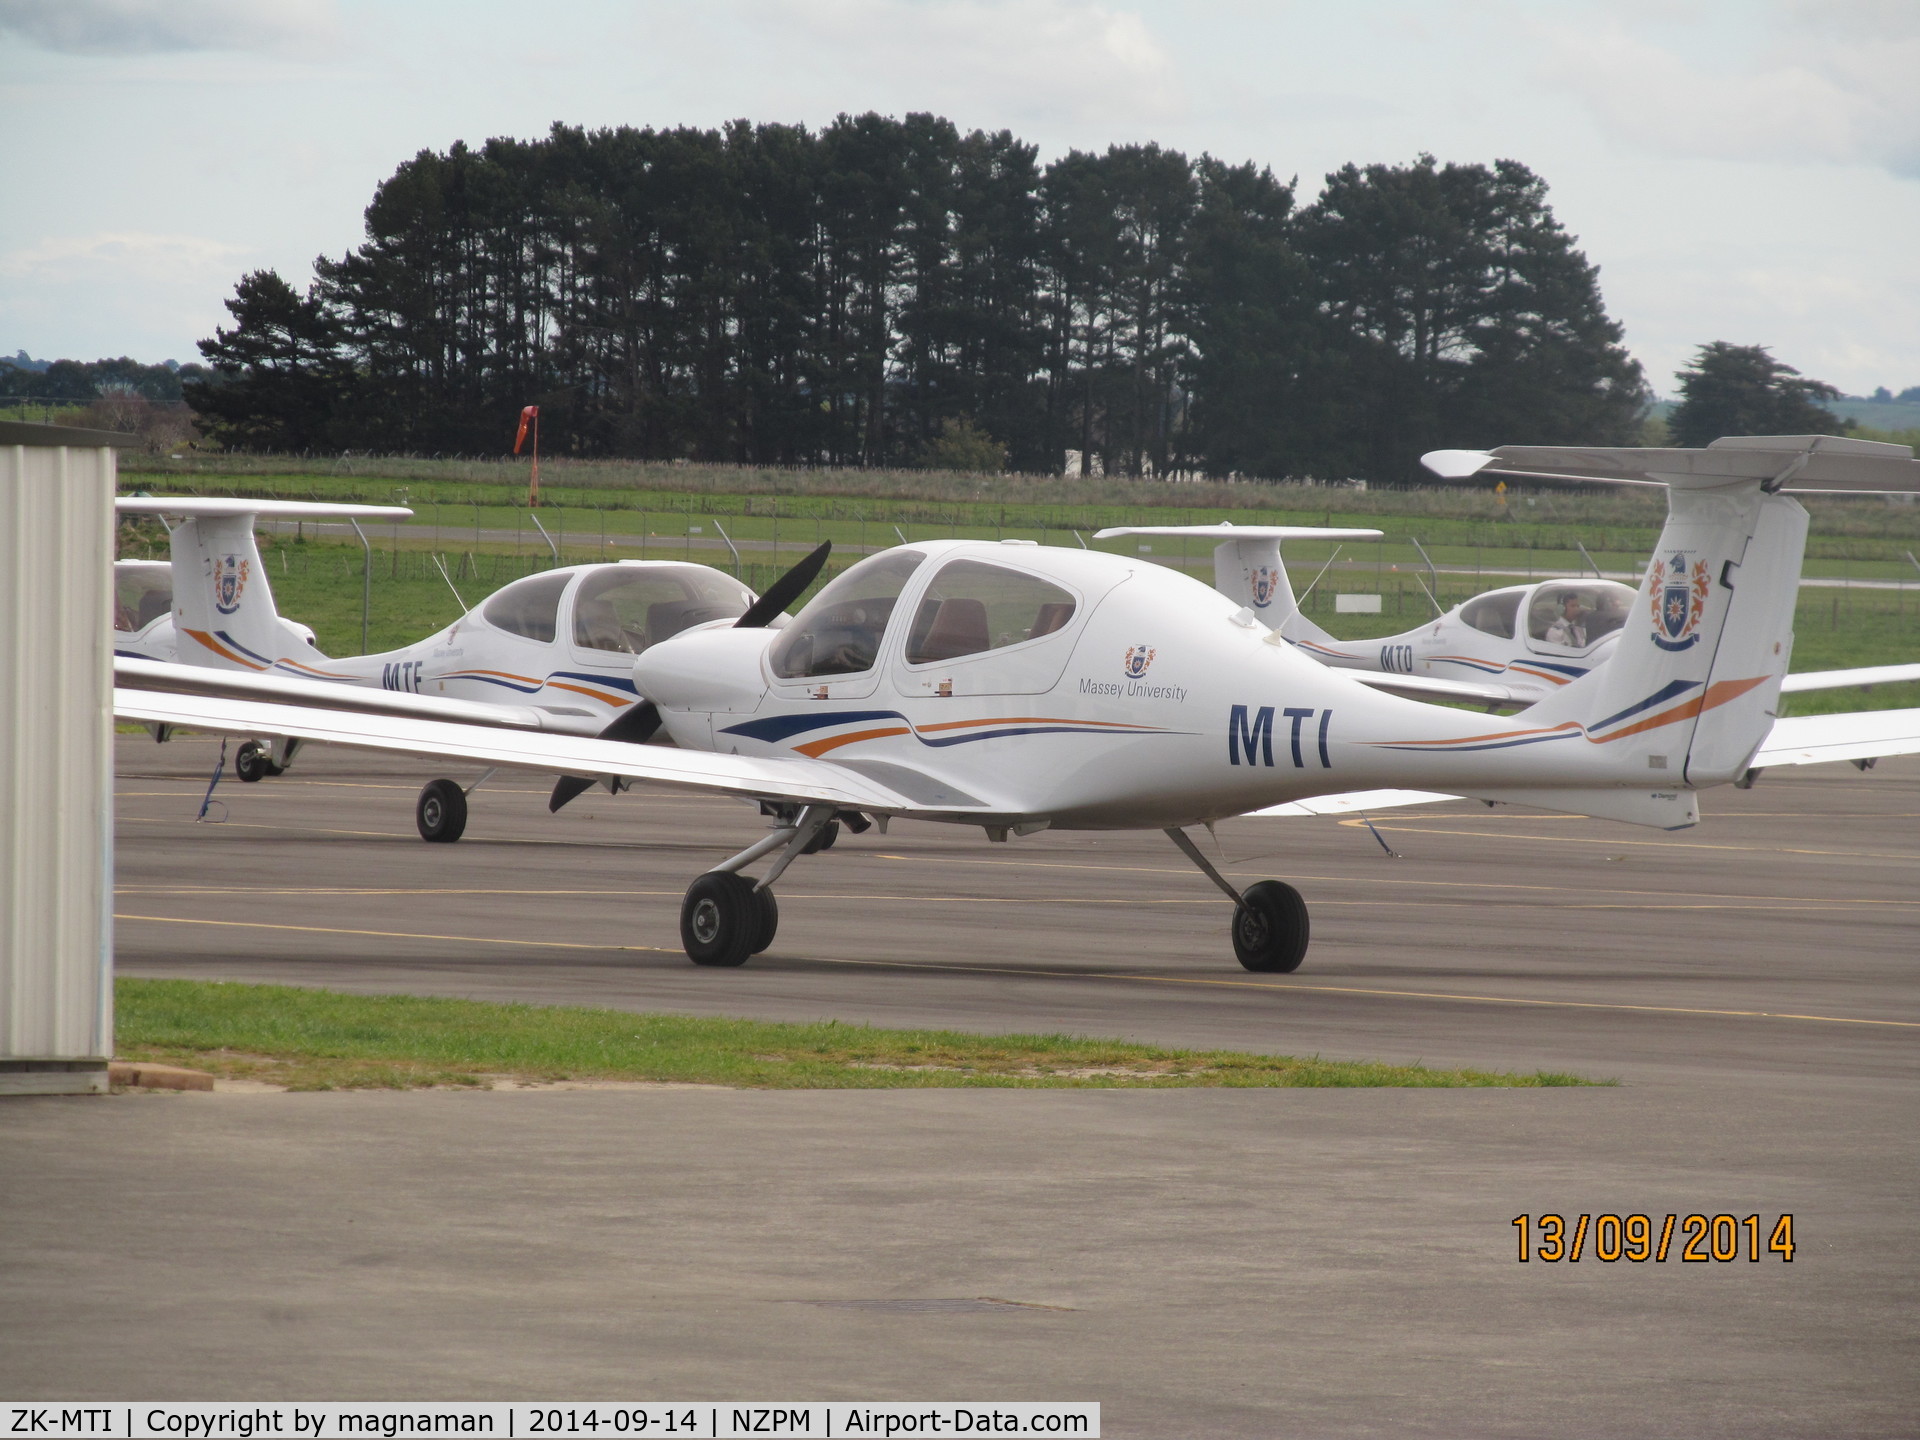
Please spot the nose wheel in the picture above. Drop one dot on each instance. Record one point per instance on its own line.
(726, 916)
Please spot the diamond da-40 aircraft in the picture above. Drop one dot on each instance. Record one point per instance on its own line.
(1017, 688)
(551, 652)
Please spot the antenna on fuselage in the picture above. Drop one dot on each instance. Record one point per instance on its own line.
(465, 609)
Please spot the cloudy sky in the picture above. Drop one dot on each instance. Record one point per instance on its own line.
(1744, 170)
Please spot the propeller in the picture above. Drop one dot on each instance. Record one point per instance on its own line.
(784, 591)
(637, 725)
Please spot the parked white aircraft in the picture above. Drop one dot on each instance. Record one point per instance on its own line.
(554, 651)
(1506, 648)
(1018, 688)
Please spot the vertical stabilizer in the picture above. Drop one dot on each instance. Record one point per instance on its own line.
(224, 612)
(1693, 684)
(1247, 568)
(223, 609)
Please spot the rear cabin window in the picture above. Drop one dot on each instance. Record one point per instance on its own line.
(530, 608)
(972, 607)
(1494, 614)
(626, 608)
(142, 593)
(838, 631)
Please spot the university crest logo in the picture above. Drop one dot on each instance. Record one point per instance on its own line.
(1679, 596)
(230, 574)
(1263, 581)
(1137, 661)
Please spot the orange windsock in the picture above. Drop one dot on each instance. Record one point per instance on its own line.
(527, 415)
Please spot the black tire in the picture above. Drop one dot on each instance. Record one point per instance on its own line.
(719, 919)
(251, 762)
(441, 812)
(767, 915)
(829, 833)
(1270, 927)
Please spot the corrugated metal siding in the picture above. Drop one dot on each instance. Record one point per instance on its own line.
(56, 732)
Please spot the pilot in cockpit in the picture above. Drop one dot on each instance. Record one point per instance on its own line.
(1569, 627)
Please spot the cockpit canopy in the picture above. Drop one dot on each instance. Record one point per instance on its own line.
(1577, 613)
(142, 593)
(971, 606)
(618, 608)
(629, 607)
(1566, 614)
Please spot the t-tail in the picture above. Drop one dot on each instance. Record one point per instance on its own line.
(1693, 686)
(223, 607)
(1247, 568)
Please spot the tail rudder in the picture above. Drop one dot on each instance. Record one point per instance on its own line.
(224, 611)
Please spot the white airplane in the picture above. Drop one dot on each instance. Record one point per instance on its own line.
(1019, 688)
(553, 651)
(1505, 649)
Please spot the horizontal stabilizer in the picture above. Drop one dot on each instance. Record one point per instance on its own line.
(1422, 687)
(1858, 735)
(1661, 809)
(1352, 802)
(1842, 679)
(1227, 530)
(217, 507)
(1790, 464)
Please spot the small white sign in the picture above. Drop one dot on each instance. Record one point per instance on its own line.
(1356, 604)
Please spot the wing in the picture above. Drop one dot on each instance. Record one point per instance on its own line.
(182, 680)
(1859, 735)
(896, 791)
(1837, 679)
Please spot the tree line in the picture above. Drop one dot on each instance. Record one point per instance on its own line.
(894, 291)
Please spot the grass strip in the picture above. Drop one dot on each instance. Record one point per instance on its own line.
(325, 1040)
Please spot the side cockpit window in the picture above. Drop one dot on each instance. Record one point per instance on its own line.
(972, 607)
(1494, 614)
(529, 608)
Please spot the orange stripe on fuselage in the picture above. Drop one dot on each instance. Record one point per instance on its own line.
(208, 642)
(817, 748)
(590, 694)
(1029, 720)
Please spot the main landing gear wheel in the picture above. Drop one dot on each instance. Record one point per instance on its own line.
(767, 917)
(253, 762)
(720, 920)
(829, 833)
(441, 812)
(1270, 927)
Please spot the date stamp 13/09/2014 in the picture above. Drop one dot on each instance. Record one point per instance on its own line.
(1692, 1239)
